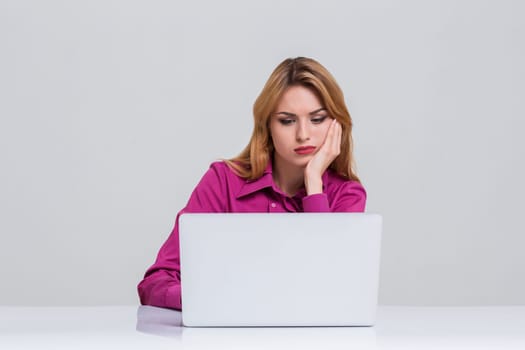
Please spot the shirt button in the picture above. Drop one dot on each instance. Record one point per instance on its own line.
(273, 205)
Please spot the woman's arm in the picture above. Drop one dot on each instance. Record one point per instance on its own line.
(161, 284)
(316, 167)
(339, 196)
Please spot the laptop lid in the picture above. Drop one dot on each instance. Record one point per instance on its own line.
(279, 269)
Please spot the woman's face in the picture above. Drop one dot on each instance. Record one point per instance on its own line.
(298, 127)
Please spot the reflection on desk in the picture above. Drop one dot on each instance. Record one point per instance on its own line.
(146, 327)
(397, 328)
(168, 323)
(158, 321)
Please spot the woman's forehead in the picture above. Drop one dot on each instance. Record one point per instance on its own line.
(298, 99)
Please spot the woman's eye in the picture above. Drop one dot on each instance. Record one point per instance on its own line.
(319, 120)
(286, 121)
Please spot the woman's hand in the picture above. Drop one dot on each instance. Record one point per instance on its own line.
(322, 159)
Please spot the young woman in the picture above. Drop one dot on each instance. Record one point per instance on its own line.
(299, 159)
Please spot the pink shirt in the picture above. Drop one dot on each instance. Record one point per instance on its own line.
(221, 190)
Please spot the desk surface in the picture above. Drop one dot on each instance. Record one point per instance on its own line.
(144, 327)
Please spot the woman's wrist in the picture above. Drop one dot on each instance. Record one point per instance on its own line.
(313, 184)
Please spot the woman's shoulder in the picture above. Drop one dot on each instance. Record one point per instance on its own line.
(222, 172)
(222, 167)
(343, 194)
(219, 178)
(219, 165)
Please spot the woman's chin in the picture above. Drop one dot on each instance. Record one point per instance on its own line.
(296, 161)
(303, 162)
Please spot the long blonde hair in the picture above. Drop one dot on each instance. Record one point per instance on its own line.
(252, 161)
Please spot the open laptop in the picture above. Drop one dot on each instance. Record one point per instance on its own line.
(289, 269)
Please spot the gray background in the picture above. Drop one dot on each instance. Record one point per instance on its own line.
(111, 111)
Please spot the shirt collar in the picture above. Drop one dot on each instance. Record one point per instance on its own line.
(266, 181)
(251, 186)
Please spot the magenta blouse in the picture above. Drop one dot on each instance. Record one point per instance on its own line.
(221, 190)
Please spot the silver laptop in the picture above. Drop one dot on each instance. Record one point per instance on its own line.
(289, 269)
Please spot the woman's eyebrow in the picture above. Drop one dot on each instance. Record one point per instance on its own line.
(317, 111)
(288, 114)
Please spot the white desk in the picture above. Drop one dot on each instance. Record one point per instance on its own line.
(132, 327)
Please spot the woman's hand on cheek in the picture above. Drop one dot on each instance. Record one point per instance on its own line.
(322, 159)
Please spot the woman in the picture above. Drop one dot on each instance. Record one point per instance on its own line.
(299, 159)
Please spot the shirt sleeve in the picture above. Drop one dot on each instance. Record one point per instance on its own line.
(316, 203)
(349, 197)
(161, 285)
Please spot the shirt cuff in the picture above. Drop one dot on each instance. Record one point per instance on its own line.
(173, 297)
(316, 203)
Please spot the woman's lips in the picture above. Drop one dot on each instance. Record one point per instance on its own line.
(304, 150)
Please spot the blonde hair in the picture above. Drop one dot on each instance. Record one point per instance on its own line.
(252, 161)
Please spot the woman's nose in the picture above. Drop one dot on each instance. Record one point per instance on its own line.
(302, 132)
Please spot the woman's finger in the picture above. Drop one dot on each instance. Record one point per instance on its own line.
(335, 142)
(338, 136)
(331, 136)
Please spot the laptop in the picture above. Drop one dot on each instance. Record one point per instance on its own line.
(279, 269)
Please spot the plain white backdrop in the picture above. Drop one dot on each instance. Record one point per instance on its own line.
(111, 111)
